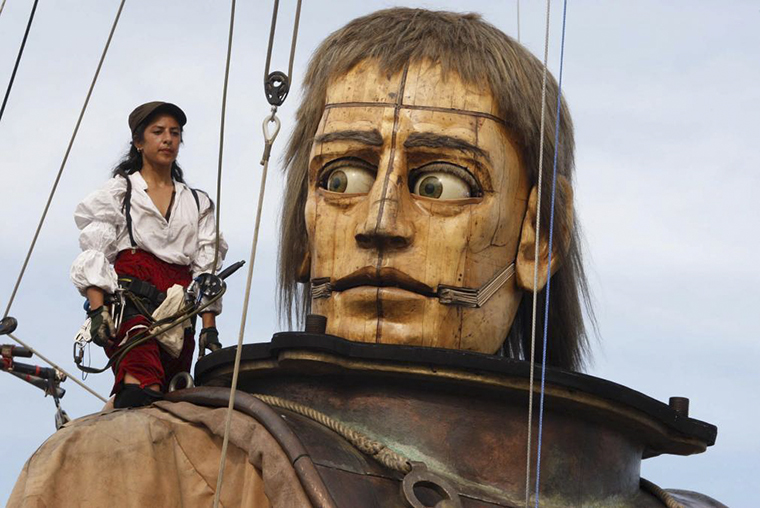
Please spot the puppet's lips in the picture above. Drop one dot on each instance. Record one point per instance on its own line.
(384, 277)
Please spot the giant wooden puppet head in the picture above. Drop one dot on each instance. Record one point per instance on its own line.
(410, 208)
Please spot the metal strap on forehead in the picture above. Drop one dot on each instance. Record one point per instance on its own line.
(447, 295)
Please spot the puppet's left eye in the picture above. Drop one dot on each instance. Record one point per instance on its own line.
(442, 180)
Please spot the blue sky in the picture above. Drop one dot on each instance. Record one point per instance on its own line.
(664, 98)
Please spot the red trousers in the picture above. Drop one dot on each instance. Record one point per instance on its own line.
(149, 362)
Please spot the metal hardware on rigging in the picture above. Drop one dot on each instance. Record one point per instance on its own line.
(48, 380)
(18, 58)
(211, 287)
(7, 326)
(277, 83)
(58, 368)
(276, 87)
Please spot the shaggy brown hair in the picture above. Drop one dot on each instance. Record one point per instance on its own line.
(481, 55)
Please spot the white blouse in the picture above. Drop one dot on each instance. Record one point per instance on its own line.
(187, 238)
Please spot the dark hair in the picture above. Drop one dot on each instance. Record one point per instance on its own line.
(483, 56)
(133, 161)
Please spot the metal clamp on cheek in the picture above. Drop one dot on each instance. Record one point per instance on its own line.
(475, 298)
(447, 295)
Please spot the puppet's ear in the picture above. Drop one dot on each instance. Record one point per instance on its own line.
(304, 271)
(526, 252)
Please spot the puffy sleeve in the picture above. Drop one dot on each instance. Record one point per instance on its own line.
(204, 258)
(101, 222)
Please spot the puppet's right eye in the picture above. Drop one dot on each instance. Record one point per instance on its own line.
(348, 176)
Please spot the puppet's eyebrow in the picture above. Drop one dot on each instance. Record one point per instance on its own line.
(369, 137)
(432, 140)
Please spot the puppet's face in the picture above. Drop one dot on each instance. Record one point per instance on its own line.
(413, 183)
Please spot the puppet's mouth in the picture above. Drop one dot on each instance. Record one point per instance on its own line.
(323, 287)
(384, 277)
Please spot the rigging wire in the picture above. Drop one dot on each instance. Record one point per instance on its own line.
(221, 139)
(238, 352)
(63, 163)
(2, 6)
(551, 238)
(272, 30)
(18, 58)
(52, 193)
(518, 21)
(276, 87)
(56, 367)
(536, 257)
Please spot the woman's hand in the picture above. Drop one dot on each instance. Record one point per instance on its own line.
(102, 329)
(208, 338)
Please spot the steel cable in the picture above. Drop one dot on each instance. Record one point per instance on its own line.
(536, 257)
(18, 58)
(551, 240)
(221, 138)
(65, 159)
(268, 142)
(55, 186)
(220, 475)
(243, 318)
(518, 21)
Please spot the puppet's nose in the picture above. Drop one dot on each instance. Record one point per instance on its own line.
(386, 225)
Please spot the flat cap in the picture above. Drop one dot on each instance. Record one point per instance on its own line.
(141, 113)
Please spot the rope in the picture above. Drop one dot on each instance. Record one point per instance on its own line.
(239, 350)
(221, 139)
(2, 6)
(272, 29)
(368, 446)
(220, 477)
(518, 20)
(293, 41)
(35, 352)
(65, 158)
(18, 58)
(659, 493)
(551, 239)
(268, 142)
(536, 257)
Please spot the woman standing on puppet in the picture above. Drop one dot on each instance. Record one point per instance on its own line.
(146, 230)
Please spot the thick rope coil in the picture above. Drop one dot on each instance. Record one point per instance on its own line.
(659, 493)
(365, 444)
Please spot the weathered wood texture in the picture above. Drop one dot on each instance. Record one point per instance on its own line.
(390, 233)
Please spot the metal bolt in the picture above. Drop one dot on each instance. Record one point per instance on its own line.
(315, 323)
(680, 405)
